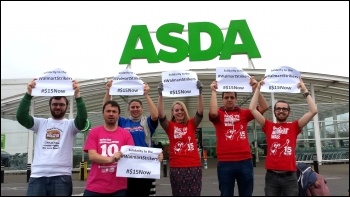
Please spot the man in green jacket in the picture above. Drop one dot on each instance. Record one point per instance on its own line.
(51, 173)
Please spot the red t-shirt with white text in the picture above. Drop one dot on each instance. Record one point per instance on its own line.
(232, 143)
(281, 141)
(183, 146)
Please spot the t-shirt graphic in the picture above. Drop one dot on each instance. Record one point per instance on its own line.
(184, 146)
(179, 132)
(52, 138)
(108, 147)
(278, 131)
(279, 149)
(229, 120)
(233, 134)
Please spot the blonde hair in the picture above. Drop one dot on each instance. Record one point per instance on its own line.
(186, 116)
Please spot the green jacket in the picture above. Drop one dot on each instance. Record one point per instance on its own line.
(27, 120)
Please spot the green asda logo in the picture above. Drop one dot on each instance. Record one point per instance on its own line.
(221, 46)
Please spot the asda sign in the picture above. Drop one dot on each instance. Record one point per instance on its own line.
(221, 45)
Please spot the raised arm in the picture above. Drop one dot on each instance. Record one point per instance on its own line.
(81, 117)
(152, 107)
(107, 96)
(213, 108)
(22, 113)
(199, 116)
(311, 103)
(161, 114)
(263, 106)
(253, 103)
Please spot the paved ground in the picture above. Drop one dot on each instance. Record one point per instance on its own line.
(337, 176)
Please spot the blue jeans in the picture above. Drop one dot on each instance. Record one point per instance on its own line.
(276, 185)
(242, 171)
(117, 193)
(50, 186)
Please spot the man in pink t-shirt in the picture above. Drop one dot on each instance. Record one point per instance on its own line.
(232, 143)
(103, 146)
(281, 178)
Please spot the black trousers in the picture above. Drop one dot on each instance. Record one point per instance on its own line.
(139, 187)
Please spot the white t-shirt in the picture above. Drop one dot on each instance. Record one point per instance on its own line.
(53, 150)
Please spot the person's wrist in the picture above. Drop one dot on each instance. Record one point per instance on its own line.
(304, 90)
(113, 159)
(306, 94)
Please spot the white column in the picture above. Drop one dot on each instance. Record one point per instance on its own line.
(335, 125)
(305, 131)
(71, 112)
(272, 105)
(250, 64)
(317, 131)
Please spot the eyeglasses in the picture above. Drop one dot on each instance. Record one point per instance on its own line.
(284, 109)
(177, 110)
(229, 97)
(58, 104)
(135, 107)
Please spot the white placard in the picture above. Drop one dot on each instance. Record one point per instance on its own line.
(126, 82)
(179, 83)
(55, 82)
(232, 79)
(139, 162)
(281, 79)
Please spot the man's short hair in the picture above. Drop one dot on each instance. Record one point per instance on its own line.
(281, 101)
(222, 94)
(135, 100)
(58, 98)
(113, 103)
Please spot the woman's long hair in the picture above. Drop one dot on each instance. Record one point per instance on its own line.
(186, 116)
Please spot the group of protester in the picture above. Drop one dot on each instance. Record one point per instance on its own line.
(52, 168)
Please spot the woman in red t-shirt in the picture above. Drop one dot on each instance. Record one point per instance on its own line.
(185, 165)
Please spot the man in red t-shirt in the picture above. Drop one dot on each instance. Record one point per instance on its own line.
(233, 148)
(281, 139)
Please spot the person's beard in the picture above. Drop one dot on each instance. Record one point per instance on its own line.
(58, 115)
(281, 119)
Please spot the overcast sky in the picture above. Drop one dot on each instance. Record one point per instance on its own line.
(87, 38)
